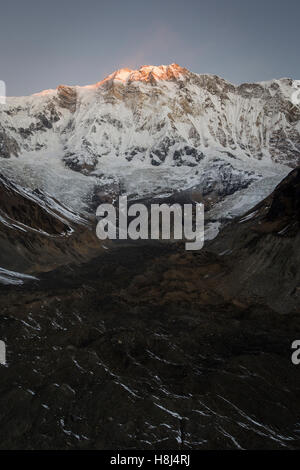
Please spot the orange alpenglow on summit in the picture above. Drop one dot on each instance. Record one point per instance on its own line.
(147, 73)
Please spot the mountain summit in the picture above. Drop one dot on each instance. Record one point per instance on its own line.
(186, 130)
(147, 73)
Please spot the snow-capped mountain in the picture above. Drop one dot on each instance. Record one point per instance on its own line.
(151, 130)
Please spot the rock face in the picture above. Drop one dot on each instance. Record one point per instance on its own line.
(38, 234)
(263, 249)
(8, 146)
(67, 97)
(160, 115)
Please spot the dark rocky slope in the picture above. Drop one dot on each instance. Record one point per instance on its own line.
(156, 347)
(262, 250)
(135, 350)
(38, 234)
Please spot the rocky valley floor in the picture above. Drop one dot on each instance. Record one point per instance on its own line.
(129, 353)
(149, 346)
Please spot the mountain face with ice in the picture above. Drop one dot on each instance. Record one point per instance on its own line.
(151, 130)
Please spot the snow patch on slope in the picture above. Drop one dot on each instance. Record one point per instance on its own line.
(13, 278)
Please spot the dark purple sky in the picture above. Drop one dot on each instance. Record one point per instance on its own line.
(44, 44)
